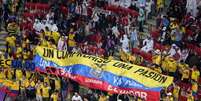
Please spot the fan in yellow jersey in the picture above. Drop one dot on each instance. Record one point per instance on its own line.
(30, 90)
(71, 41)
(45, 91)
(176, 91)
(19, 52)
(169, 65)
(157, 68)
(172, 65)
(168, 97)
(156, 59)
(28, 74)
(18, 74)
(54, 96)
(38, 87)
(123, 55)
(190, 96)
(47, 32)
(50, 44)
(55, 36)
(43, 41)
(185, 75)
(2, 75)
(22, 85)
(9, 73)
(46, 78)
(160, 5)
(102, 97)
(10, 40)
(195, 74)
(57, 83)
(131, 58)
(165, 64)
(26, 55)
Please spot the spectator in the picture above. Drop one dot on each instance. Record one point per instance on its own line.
(55, 96)
(46, 91)
(191, 7)
(134, 38)
(76, 97)
(64, 88)
(125, 43)
(37, 26)
(62, 43)
(39, 91)
(141, 18)
(148, 44)
(148, 9)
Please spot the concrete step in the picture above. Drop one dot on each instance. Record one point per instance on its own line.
(2, 38)
(3, 44)
(151, 22)
(2, 47)
(2, 41)
(3, 34)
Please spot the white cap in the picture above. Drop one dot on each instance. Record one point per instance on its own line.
(164, 28)
(157, 51)
(169, 94)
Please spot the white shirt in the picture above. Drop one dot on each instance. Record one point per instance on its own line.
(47, 24)
(184, 54)
(76, 98)
(84, 7)
(95, 18)
(191, 6)
(173, 51)
(115, 31)
(125, 43)
(148, 6)
(37, 26)
(125, 3)
(148, 43)
(53, 28)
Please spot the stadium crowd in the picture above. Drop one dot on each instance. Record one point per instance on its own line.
(111, 29)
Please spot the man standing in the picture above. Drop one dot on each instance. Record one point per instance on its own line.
(125, 43)
(76, 97)
(134, 38)
(191, 7)
(141, 18)
(148, 44)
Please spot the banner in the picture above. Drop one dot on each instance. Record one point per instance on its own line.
(10, 87)
(103, 81)
(5, 62)
(109, 75)
(2, 95)
(25, 65)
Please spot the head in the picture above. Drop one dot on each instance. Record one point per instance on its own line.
(76, 94)
(46, 28)
(169, 94)
(51, 22)
(125, 36)
(149, 37)
(194, 67)
(45, 84)
(36, 21)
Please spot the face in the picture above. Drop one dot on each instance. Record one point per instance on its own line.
(76, 94)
